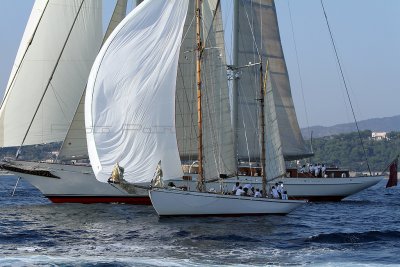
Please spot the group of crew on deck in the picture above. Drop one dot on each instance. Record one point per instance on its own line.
(317, 170)
(277, 191)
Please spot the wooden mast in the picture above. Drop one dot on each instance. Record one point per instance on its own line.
(199, 50)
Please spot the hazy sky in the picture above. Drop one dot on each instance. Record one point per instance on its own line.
(366, 32)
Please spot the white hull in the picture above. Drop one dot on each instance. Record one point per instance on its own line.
(168, 202)
(75, 184)
(78, 184)
(313, 189)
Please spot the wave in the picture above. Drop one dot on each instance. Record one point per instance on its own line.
(227, 238)
(365, 237)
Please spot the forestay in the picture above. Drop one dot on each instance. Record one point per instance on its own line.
(130, 97)
(68, 30)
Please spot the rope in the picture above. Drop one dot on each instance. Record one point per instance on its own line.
(345, 85)
(51, 77)
(298, 67)
(252, 34)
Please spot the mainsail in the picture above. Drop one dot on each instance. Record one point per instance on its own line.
(217, 131)
(130, 97)
(259, 39)
(75, 145)
(50, 71)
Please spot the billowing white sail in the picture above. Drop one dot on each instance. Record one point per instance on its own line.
(75, 145)
(259, 37)
(130, 97)
(59, 45)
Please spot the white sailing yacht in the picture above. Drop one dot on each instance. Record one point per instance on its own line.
(44, 99)
(77, 183)
(257, 34)
(136, 88)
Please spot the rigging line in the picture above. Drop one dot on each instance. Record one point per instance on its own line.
(185, 93)
(70, 125)
(23, 57)
(188, 29)
(212, 80)
(217, 7)
(298, 66)
(105, 37)
(192, 127)
(270, 120)
(345, 85)
(244, 128)
(212, 109)
(51, 76)
(189, 97)
(252, 34)
(59, 100)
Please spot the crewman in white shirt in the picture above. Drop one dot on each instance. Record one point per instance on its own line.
(275, 193)
(239, 191)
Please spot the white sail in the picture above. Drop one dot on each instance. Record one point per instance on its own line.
(75, 145)
(275, 163)
(130, 97)
(219, 157)
(50, 71)
(186, 96)
(217, 131)
(259, 37)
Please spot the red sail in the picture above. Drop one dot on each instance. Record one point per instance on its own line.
(392, 174)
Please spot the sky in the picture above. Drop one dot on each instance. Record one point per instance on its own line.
(367, 37)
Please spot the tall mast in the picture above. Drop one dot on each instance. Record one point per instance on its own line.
(262, 131)
(199, 50)
(235, 51)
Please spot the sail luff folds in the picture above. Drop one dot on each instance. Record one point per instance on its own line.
(34, 71)
(75, 145)
(130, 97)
(259, 36)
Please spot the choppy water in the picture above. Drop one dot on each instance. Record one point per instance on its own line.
(361, 230)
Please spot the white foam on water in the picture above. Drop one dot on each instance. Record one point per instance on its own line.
(55, 260)
(29, 249)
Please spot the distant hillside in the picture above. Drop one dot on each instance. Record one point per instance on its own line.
(344, 150)
(386, 124)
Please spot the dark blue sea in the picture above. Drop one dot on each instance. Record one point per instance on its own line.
(362, 230)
